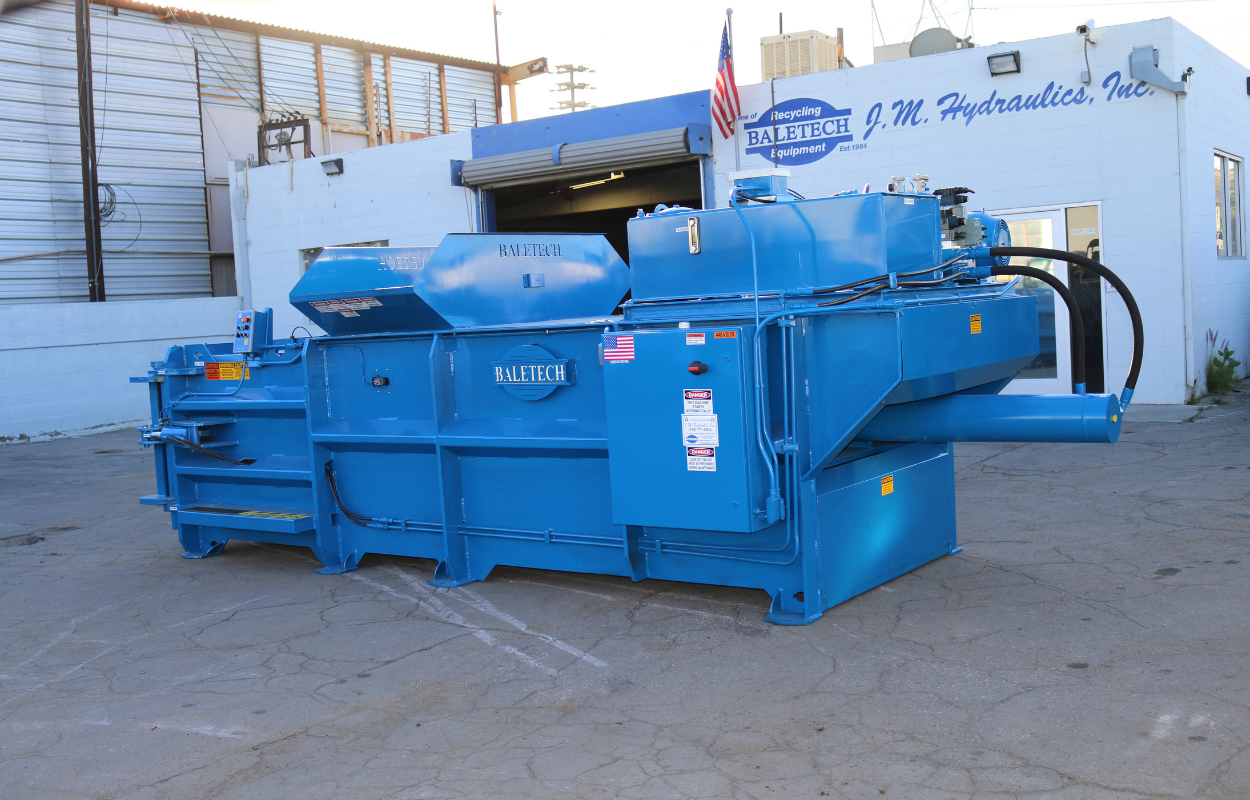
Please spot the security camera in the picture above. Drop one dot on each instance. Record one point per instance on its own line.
(1084, 29)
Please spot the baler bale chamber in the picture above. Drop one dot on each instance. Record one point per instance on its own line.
(774, 406)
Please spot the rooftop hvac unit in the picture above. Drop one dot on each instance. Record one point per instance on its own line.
(789, 54)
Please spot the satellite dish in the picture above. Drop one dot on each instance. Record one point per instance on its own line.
(934, 40)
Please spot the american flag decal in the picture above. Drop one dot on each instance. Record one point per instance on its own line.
(617, 347)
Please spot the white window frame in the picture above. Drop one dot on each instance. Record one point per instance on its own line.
(1227, 222)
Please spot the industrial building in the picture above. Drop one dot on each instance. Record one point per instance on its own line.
(1123, 173)
(1117, 164)
(179, 96)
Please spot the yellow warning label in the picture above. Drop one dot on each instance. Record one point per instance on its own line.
(226, 371)
(725, 335)
(887, 485)
(974, 323)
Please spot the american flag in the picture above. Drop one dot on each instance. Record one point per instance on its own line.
(725, 105)
(617, 347)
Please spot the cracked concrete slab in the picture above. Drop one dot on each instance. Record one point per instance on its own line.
(1089, 643)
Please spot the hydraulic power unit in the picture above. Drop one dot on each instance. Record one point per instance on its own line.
(767, 397)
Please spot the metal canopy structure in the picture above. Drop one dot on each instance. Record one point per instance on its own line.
(585, 158)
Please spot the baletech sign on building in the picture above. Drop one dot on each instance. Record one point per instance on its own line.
(804, 130)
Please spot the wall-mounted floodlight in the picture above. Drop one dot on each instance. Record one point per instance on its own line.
(333, 167)
(1004, 63)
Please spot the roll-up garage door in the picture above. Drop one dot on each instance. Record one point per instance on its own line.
(586, 158)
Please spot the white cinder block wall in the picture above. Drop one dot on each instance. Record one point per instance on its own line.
(1120, 152)
(66, 367)
(401, 193)
(1217, 117)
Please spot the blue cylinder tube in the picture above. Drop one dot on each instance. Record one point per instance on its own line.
(999, 418)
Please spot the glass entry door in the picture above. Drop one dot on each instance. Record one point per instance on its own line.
(1051, 371)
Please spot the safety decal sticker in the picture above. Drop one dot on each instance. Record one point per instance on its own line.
(696, 338)
(974, 323)
(700, 459)
(696, 401)
(348, 307)
(725, 335)
(699, 430)
(618, 348)
(887, 485)
(226, 371)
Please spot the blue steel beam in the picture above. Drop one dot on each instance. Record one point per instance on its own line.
(1093, 418)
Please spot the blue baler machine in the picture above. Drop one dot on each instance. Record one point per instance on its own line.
(772, 407)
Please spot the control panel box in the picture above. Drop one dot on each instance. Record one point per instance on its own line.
(253, 330)
(681, 444)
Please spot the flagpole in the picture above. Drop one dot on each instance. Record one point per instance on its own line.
(729, 14)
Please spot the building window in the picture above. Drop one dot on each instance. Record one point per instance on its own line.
(1229, 232)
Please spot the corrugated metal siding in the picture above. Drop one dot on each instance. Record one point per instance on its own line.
(289, 73)
(38, 163)
(582, 158)
(379, 92)
(418, 106)
(345, 85)
(148, 139)
(229, 70)
(464, 86)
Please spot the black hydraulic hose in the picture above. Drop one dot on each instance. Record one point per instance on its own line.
(1075, 324)
(934, 282)
(855, 296)
(861, 282)
(334, 492)
(197, 448)
(1139, 338)
(901, 285)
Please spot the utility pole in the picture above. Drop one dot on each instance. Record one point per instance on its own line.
(86, 141)
(571, 86)
(498, 67)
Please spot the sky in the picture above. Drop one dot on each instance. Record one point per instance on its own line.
(651, 48)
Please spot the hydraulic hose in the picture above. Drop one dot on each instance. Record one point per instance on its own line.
(886, 277)
(197, 448)
(1075, 324)
(334, 492)
(1139, 339)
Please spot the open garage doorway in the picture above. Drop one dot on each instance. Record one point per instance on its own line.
(600, 203)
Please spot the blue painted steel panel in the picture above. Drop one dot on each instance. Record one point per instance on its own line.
(949, 347)
(801, 245)
(480, 405)
(659, 478)
(470, 280)
(887, 514)
(1000, 418)
(658, 114)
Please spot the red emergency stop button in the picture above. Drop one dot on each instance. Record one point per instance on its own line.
(697, 368)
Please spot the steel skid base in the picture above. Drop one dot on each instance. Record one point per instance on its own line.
(853, 538)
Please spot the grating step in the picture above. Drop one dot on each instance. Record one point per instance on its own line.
(272, 520)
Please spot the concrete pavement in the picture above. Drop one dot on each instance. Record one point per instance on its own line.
(1089, 643)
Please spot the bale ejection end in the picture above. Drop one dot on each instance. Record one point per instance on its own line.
(773, 407)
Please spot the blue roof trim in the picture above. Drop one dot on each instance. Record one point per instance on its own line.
(658, 114)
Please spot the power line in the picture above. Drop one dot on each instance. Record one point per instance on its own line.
(1091, 5)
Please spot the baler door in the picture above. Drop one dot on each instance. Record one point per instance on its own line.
(680, 447)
